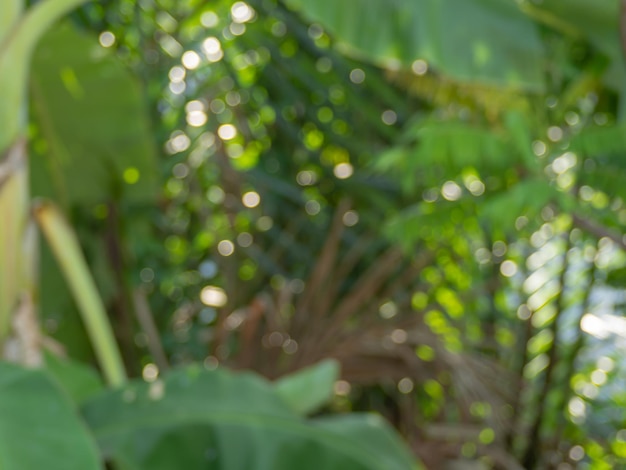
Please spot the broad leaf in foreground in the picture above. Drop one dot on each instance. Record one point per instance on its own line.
(39, 427)
(225, 420)
(78, 380)
(308, 389)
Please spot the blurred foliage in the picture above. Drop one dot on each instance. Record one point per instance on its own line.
(437, 207)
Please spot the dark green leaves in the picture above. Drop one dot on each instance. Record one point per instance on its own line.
(90, 112)
(598, 21)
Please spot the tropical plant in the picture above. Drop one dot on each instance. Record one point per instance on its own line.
(438, 208)
(520, 159)
(160, 415)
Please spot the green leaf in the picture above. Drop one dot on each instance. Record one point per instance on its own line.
(426, 220)
(78, 380)
(437, 150)
(602, 148)
(617, 277)
(597, 21)
(308, 389)
(458, 145)
(486, 40)
(90, 110)
(227, 421)
(369, 431)
(608, 178)
(596, 141)
(521, 138)
(18, 36)
(39, 427)
(526, 198)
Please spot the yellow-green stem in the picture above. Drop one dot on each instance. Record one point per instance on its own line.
(68, 254)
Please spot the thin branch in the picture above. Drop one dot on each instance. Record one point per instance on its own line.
(325, 264)
(598, 230)
(148, 326)
(367, 286)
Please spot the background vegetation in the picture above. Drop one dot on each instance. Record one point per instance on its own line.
(427, 192)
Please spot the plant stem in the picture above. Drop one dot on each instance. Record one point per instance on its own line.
(67, 251)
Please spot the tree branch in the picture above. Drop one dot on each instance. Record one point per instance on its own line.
(597, 229)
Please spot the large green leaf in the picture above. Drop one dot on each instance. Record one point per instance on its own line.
(597, 21)
(20, 31)
(78, 380)
(39, 427)
(223, 420)
(491, 41)
(365, 432)
(308, 389)
(91, 113)
(526, 198)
